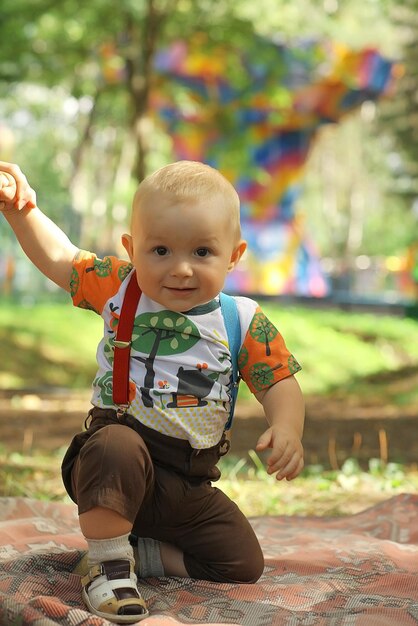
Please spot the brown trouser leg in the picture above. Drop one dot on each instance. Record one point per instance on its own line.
(216, 538)
(114, 470)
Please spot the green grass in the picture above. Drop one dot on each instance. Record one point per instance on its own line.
(336, 347)
(55, 345)
(315, 492)
(48, 345)
(341, 353)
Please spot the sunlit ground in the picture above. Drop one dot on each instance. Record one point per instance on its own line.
(350, 361)
(316, 492)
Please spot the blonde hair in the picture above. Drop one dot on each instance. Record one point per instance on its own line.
(192, 179)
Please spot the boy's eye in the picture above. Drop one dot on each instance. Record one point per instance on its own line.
(161, 250)
(202, 252)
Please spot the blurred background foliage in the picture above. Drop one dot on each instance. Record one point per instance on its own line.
(76, 116)
(75, 82)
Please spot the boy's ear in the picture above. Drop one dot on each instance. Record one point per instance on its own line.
(237, 254)
(127, 244)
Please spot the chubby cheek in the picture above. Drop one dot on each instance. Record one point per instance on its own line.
(214, 280)
(149, 274)
(140, 262)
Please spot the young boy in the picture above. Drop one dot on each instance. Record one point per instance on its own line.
(142, 476)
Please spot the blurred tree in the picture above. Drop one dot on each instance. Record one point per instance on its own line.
(400, 116)
(74, 86)
(105, 54)
(349, 200)
(96, 59)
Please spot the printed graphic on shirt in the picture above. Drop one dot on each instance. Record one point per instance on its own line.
(162, 333)
(104, 277)
(192, 388)
(180, 362)
(263, 331)
(270, 360)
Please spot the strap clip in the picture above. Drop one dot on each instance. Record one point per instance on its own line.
(121, 344)
(122, 410)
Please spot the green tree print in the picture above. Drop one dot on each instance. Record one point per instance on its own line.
(243, 357)
(160, 333)
(85, 304)
(293, 365)
(105, 384)
(123, 271)
(108, 351)
(103, 267)
(74, 282)
(263, 331)
(261, 375)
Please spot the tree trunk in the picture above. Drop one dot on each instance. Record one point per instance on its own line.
(143, 39)
(85, 139)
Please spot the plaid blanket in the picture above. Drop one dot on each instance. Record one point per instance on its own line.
(359, 570)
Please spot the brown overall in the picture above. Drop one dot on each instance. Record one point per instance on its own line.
(163, 486)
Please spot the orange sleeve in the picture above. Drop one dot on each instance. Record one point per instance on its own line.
(94, 281)
(264, 358)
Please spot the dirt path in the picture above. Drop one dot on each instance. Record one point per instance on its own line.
(335, 430)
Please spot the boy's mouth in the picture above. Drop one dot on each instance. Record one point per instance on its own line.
(181, 290)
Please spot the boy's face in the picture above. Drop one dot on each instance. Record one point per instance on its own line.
(182, 250)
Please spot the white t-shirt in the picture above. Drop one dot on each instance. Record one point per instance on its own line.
(180, 363)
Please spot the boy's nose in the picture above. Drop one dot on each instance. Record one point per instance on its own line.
(182, 268)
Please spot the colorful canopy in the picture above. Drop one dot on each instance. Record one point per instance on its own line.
(254, 116)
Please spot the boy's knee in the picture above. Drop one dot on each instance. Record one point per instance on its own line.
(115, 456)
(243, 569)
(249, 570)
(114, 470)
(254, 572)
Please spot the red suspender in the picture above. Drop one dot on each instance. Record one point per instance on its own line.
(122, 344)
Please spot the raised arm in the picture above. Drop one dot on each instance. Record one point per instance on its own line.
(45, 244)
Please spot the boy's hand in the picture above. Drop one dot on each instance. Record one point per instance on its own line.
(286, 458)
(7, 186)
(15, 191)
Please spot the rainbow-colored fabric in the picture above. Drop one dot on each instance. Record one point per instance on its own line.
(254, 115)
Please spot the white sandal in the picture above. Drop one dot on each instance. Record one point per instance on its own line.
(110, 591)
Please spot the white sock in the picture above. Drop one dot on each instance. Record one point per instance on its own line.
(100, 550)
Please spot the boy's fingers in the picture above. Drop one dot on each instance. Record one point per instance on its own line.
(7, 186)
(281, 461)
(28, 201)
(291, 469)
(297, 471)
(279, 458)
(15, 188)
(264, 441)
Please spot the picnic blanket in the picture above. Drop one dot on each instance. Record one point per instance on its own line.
(358, 570)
